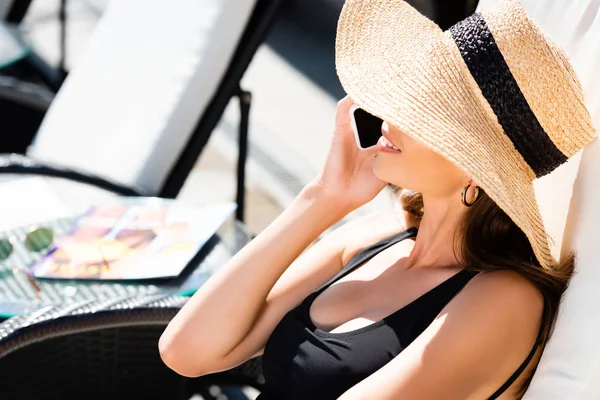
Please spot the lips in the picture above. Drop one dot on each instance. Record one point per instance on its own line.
(389, 144)
(388, 141)
(385, 146)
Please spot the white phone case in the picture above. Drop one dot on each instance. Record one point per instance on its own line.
(353, 108)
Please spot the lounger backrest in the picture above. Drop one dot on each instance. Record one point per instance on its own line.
(570, 365)
(130, 103)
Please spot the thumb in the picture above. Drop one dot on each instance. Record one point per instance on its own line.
(342, 116)
(371, 152)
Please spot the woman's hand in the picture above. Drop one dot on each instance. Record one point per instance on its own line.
(347, 177)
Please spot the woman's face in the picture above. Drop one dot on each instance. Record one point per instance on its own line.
(416, 167)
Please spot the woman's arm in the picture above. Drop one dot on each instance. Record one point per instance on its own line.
(230, 318)
(222, 313)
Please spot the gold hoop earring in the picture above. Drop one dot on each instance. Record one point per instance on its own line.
(464, 195)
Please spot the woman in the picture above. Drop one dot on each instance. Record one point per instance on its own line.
(456, 297)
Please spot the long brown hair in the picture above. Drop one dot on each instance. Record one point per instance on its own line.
(491, 241)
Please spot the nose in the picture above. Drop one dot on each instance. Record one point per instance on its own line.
(385, 128)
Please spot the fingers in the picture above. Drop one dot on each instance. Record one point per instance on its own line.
(346, 101)
(371, 152)
(342, 113)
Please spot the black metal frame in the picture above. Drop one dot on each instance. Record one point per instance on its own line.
(18, 164)
(27, 94)
(17, 11)
(53, 77)
(245, 99)
(254, 35)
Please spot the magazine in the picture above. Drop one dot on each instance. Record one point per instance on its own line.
(121, 241)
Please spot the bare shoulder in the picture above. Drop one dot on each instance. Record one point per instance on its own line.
(506, 289)
(507, 295)
(495, 319)
(503, 306)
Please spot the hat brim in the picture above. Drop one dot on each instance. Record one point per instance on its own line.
(400, 66)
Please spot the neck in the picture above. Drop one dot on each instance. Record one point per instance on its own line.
(435, 244)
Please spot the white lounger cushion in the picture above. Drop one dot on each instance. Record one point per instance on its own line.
(570, 365)
(130, 103)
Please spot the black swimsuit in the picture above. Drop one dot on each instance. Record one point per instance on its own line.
(301, 361)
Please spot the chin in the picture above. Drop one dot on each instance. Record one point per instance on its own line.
(386, 172)
(376, 167)
(383, 172)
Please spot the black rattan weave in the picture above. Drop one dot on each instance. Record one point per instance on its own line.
(100, 350)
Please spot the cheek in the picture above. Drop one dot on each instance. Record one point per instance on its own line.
(420, 169)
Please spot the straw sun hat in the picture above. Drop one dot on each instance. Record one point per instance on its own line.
(493, 94)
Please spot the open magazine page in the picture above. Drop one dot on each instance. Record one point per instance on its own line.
(132, 241)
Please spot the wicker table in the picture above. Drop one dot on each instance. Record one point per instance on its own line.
(99, 340)
(17, 296)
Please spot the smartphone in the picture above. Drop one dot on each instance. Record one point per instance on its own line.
(366, 127)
